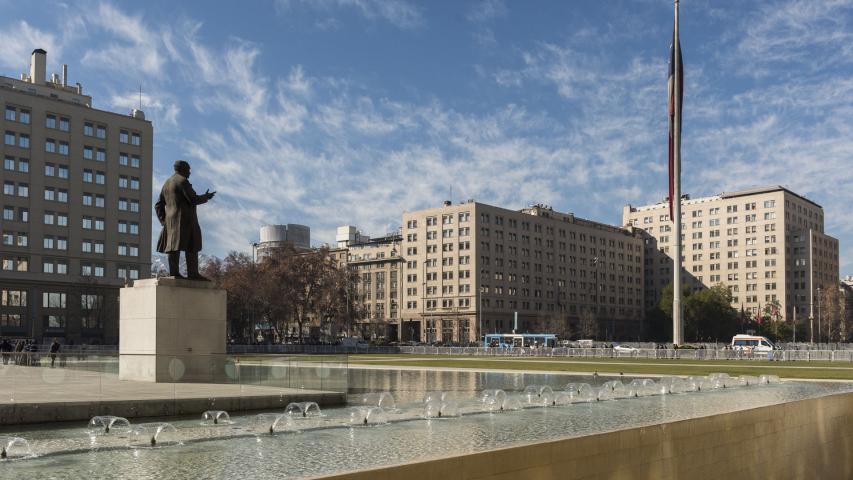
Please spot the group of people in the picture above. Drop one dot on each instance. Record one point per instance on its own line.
(23, 352)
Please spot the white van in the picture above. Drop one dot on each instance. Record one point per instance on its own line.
(752, 343)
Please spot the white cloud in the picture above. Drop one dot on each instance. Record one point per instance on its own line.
(487, 10)
(161, 108)
(135, 48)
(18, 41)
(400, 13)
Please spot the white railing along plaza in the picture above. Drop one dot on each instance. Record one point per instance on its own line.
(640, 353)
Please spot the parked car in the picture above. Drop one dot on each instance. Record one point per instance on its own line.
(623, 348)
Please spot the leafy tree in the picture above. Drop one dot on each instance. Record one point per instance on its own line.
(708, 314)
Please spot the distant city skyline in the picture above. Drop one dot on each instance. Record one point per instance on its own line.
(349, 112)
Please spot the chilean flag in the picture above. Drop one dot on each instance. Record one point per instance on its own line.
(674, 97)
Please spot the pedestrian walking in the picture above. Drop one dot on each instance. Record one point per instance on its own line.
(54, 350)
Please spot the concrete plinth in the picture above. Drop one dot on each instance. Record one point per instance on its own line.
(172, 330)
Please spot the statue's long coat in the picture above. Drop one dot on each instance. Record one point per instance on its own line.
(177, 214)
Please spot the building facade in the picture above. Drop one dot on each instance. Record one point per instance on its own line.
(380, 268)
(76, 204)
(473, 268)
(766, 245)
(277, 236)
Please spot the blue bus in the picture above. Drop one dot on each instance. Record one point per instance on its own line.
(513, 340)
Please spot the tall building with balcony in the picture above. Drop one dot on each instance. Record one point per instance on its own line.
(767, 245)
(473, 268)
(76, 205)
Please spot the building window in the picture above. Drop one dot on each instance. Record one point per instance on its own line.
(122, 181)
(24, 141)
(100, 178)
(50, 145)
(50, 121)
(122, 159)
(134, 183)
(9, 139)
(89, 129)
(102, 131)
(11, 113)
(101, 155)
(24, 116)
(13, 298)
(135, 139)
(9, 163)
(123, 136)
(63, 148)
(91, 307)
(64, 124)
(134, 161)
(88, 153)
(88, 176)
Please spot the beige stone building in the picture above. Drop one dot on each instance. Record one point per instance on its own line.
(380, 268)
(76, 208)
(766, 244)
(473, 268)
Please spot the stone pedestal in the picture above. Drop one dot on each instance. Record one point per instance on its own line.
(172, 330)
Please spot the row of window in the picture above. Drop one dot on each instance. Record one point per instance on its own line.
(59, 266)
(51, 242)
(60, 147)
(22, 214)
(62, 123)
(57, 170)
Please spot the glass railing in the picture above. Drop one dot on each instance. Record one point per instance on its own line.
(35, 378)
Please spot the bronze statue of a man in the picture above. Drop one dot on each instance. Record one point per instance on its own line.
(176, 212)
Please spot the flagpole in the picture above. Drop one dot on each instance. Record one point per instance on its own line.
(677, 308)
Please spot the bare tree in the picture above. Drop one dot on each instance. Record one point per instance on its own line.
(832, 314)
(558, 324)
(588, 324)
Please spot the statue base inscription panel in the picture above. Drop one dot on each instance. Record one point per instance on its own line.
(172, 330)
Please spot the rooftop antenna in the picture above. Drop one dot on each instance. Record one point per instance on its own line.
(140, 96)
(451, 194)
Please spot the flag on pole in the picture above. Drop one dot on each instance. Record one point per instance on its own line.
(674, 97)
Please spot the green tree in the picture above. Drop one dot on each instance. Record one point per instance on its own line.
(709, 315)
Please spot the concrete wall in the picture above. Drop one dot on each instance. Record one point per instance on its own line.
(805, 439)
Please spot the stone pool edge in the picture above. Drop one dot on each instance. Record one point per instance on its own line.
(811, 438)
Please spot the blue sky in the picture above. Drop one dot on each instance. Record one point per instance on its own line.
(333, 112)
